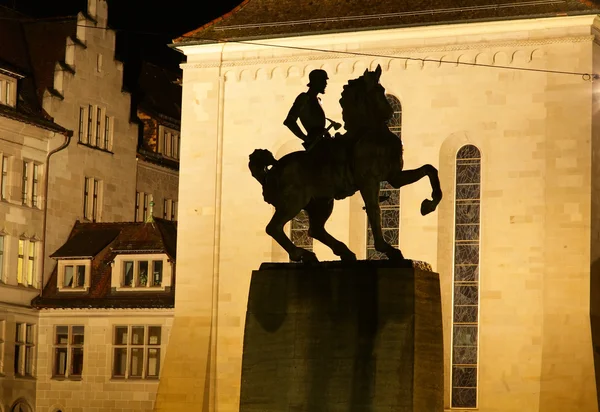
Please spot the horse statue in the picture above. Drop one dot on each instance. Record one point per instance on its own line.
(368, 154)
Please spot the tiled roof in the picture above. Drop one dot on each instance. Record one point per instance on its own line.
(254, 19)
(87, 243)
(127, 237)
(18, 54)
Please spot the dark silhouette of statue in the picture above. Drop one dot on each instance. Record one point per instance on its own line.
(307, 108)
(366, 155)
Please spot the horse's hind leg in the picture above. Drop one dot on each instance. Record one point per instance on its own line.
(370, 194)
(318, 213)
(275, 230)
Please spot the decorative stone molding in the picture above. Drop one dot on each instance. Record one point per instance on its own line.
(515, 54)
(386, 54)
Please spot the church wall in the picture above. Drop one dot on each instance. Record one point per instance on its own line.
(533, 130)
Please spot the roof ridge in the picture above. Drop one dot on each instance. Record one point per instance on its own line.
(212, 22)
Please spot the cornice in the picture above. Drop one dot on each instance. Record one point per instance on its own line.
(415, 53)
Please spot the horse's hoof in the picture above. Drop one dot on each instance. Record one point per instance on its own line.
(348, 257)
(427, 207)
(309, 257)
(394, 255)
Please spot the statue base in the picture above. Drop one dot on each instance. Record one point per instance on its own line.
(335, 336)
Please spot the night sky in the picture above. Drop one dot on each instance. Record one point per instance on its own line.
(144, 27)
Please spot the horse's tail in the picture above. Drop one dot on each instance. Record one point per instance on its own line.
(260, 160)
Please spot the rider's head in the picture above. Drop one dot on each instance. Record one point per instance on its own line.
(318, 80)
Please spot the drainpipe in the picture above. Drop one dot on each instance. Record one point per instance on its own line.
(68, 134)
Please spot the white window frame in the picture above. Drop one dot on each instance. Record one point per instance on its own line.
(92, 199)
(168, 142)
(90, 124)
(118, 272)
(82, 133)
(25, 183)
(24, 349)
(31, 259)
(8, 90)
(21, 249)
(27, 261)
(70, 346)
(60, 279)
(4, 176)
(145, 346)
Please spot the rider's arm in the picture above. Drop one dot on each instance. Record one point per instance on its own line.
(291, 121)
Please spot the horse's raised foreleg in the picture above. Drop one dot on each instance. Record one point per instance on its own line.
(370, 194)
(407, 177)
(318, 213)
(275, 230)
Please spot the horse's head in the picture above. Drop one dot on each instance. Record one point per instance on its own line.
(363, 101)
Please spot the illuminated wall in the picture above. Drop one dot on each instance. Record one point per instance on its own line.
(533, 131)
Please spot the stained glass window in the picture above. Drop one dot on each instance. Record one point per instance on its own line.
(299, 231)
(465, 317)
(389, 197)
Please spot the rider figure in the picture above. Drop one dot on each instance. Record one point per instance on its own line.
(307, 108)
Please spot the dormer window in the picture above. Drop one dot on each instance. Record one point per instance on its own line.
(8, 91)
(168, 142)
(142, 272)
(73, 275)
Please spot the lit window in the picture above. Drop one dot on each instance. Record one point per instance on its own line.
(99, 63)
(136, 352)
(24, 182)
(31, 263)
(4, 177)
(68, 352)
(165, 208)
(24, 349)
(20, 258)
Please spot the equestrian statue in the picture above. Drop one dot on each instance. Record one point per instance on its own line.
(335, 168)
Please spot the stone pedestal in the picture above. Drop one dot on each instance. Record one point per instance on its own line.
(340, 337)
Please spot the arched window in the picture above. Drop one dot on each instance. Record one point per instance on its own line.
(299, 231)
(389, 197)
(20, 406)
(465, 310)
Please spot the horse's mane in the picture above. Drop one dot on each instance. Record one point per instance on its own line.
(359, 108)
(352, 102)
